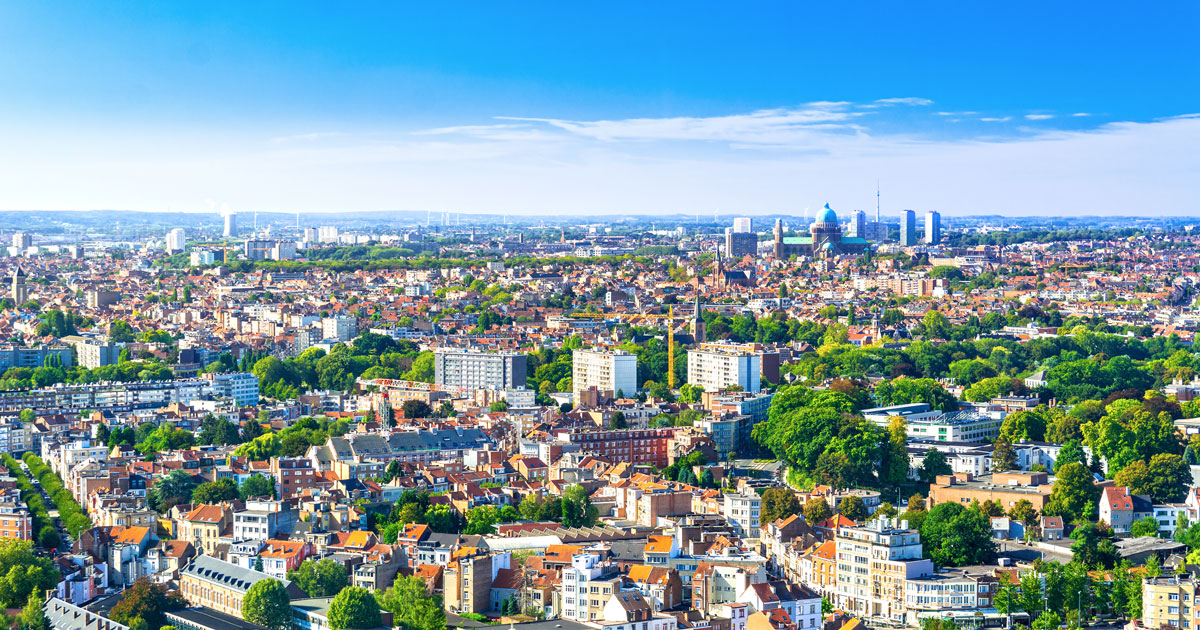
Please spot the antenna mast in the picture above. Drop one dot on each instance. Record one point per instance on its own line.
(877, 201)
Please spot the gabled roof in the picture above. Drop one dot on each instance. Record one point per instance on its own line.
(129, 535)
(206, 514)
(224, 574)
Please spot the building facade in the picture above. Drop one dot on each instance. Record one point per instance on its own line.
(470, 369)
(610, 372)
(874, 561)
(715, 368)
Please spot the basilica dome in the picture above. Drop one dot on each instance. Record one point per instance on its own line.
(827, 215)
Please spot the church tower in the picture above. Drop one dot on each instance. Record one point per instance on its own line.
(697, 324)
(778, 232)
(20, 293)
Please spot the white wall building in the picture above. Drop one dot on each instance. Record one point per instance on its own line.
(609, 371)
(715, 368)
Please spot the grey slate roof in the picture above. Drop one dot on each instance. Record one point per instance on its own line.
(66, 616)
(231, 576)
(441, 440)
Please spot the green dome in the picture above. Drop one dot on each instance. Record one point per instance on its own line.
(827, 215)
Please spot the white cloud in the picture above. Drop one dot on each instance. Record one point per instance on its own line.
(1039, 116)
(957, 113)
(766, 126)
(1081, 114)
(996, 119)
(906, 100)
(800, 156)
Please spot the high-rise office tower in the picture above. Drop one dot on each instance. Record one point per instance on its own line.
(741, 225)
(175, 241)
(230, 224)
(22, 241)
(908, 228)
(20, 294)
(738, 244)
(858, 224)
(933, 227)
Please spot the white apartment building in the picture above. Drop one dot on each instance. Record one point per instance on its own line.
(63, 458)
(201, 257)
(176, 241)
(341, 328)
(933, 227)
(715, 367)
(609, 371)
(742, 512)
(240, 386)
(586, 587)
(874, 562)
(327, 234)
(479, 370)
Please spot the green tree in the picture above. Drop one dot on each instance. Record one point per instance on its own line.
(1166, 478)
(416, 408)
(218, 431)
(320, 578)
(900, 391)
(936, 325)
(32, 616)
(1031, 599)
(176, 487)
(354, 608)
(147, 601)
(955, 535)
(933, 466)
(215, 491)
(1092, 547)
(481, 520)
(1027, 425)
(1023, 512)
(816, 510)
(1072, 451)
(896, 467)
(257, 485)
(49, 537)
(411, 605)
(120, 332)
(1004, 456)
(1074, 494)
(618, 421)
(577, 508)
(268, 604)
(853, 508)
(778, 503)
(1146, 526)
(253, 429)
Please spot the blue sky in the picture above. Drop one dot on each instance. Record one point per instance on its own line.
(1019, 108)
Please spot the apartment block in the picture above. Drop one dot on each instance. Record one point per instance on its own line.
(874, 561)
(1170, 601)
(715, 367)
(471, 369)
(609, 372)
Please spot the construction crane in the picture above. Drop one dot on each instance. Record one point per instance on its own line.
(669, 318)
